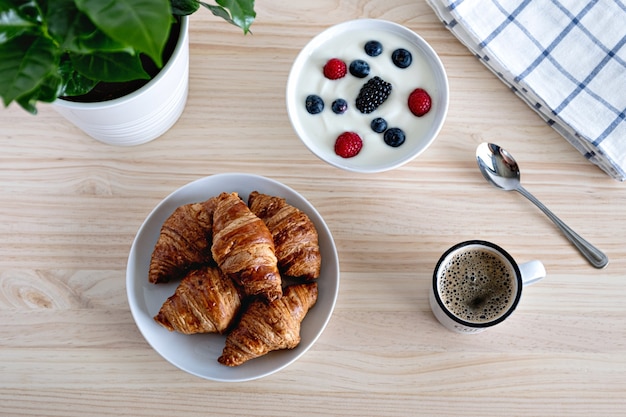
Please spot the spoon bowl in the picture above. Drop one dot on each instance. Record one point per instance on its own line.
(498, 166)
(500, 169)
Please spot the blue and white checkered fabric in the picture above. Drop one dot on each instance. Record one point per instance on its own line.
(565, 58)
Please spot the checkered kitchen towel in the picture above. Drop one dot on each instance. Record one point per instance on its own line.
(565, 58)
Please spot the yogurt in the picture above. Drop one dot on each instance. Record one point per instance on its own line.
(320, 131)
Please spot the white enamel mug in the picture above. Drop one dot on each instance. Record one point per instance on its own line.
(477, 284)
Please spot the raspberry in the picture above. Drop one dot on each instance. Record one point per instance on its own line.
(335, 68)
(348, 144)
(373, 93)
(419, 102)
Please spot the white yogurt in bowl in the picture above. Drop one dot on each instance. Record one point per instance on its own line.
(346, 41)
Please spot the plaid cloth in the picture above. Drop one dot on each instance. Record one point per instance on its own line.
(565, 58)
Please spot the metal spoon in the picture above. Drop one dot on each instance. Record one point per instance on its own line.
(499, 168)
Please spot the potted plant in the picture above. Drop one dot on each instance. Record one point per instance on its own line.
(84, 55)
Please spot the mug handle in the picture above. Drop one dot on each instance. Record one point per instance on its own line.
(532, 272)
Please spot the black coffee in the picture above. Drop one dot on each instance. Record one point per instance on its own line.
(477, 285)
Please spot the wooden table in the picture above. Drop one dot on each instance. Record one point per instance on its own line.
(70, 208)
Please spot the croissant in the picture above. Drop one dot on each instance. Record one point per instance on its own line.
(243, 248)
(294, 234)
(269, 325)
(184, 242)
(205, 301)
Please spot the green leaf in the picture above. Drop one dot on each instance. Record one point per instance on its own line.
(12, 24)
(238, 12)
(47, 92)
(109, 67)
(28, 101)
(27, 9)
(24, 63)
(75, 32)
(50, 88)
(142, 24)
(184, 7)
(74, 83)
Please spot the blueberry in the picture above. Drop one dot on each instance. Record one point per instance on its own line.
(373, 48)
(379, 125)
(340, 106)
(314, 104)
(402, 58)
(394, 137)
(359, 68)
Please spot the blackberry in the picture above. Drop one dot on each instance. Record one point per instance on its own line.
(339, 106)
(394, 137)
(373, 48)
(359, 68)
(373, 93)
(379, 125)
(314, 104)
(401, 58)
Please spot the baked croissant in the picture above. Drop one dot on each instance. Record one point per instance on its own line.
(205, 301)
(294, 234)
(243, 248)
(184, 242)
(266, 326)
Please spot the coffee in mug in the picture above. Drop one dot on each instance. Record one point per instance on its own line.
(477, 284)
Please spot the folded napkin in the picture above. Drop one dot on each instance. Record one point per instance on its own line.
(565, 58)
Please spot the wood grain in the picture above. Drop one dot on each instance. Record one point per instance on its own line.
(70, 208)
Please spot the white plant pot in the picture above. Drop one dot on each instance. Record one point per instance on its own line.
(142, 115)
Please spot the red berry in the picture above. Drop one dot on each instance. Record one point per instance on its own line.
(348, 144)
(419, 102)
(335, 68)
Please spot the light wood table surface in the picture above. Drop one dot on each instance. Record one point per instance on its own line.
(70, 208)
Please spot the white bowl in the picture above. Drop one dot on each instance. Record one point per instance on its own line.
(345, 41)
(197, 354)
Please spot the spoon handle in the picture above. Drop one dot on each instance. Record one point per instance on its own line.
(594, 255)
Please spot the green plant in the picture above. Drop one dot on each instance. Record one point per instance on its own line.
(60, 48)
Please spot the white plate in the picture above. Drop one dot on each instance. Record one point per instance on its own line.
(197, 354)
